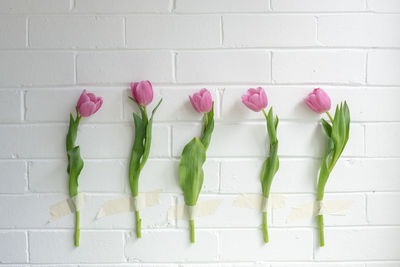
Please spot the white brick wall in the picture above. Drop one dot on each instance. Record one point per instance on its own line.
(52, 49)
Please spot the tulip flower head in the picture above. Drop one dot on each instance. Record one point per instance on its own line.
(318, 101)
(142, 92)
(202, 101)
(88, 104)
(255, 99)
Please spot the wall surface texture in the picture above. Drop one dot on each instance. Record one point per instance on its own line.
(50, 50)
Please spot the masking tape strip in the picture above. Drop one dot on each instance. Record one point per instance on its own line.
(67, 206)
(258, 202)
(129, 204)
(202, 208)
(328, 207)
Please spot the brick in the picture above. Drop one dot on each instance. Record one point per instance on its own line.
(96, 176)
(37, 6)
(319, 67)
(243, 245)
(253, 140)
(13, 177)
(36, 68)
(193, 6)
(384, 6)
(205, 248)
(317, 5)
(223, 66)
(381, 264)
(173, 31)
(382, 208)
(123, 6)
(124, 67)
(382, 67)
(180, 110)
(13, 247)
(55, 105)
(12, 32)
(382, 139)
(313, 264)
(10, 106)
(375, 244)
(226, 216)
(363, 30)
(356, 215)
(58, 247)
(269, 30)
(77, 32)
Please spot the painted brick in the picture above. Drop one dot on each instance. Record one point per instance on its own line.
(221, 6)
(384, 6)
(382, 139)
(269, 30)
(13, 177)
(382, 67)
(319, 67)
(94, 32)
(12, 31)
(382, 208)
(37, 6)
(13, 247)
(55, 105)
(123, 67)
(248, 245)
(223, 66)
(359, 30)
(205, 248)
(336, 264)
(377, 244)
(318, 5)
(173, 31)
(58, 247)
(36, 68)
(124, 6)
(10, 106)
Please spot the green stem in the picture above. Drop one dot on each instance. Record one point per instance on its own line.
(321, 230)
(191, 231)
(138, 225)
(264, 227)
(329, 115)
(265, 114)
(77, 229)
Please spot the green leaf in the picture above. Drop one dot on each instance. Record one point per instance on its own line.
(136, 154)
(147, 143)
(191, 170)
(208, 127)
(75, 168)
(327, 128)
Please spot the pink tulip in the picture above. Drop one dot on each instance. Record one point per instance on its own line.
(142, 92)
(255, 99)
(202, 101)
(318, 101)
(88, 104)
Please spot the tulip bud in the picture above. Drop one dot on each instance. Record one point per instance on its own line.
(318, 101)
(202, 102)
(88, 104)
(142, 92)
(255, 99)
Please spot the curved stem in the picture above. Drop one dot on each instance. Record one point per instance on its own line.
(191, 231)
(321, 230)
(329, 115)
(264, 227)
(77, 229)
(138, 225)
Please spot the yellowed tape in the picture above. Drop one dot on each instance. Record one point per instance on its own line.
(258, 202)
(328, 207)
(67, 206)
(129, 204)
(203, 208)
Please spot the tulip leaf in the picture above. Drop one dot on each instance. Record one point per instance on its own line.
(75, 168)
(136, 154)
(208, 128)
(191, 170)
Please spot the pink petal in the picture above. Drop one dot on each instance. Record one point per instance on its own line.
(82, 99)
